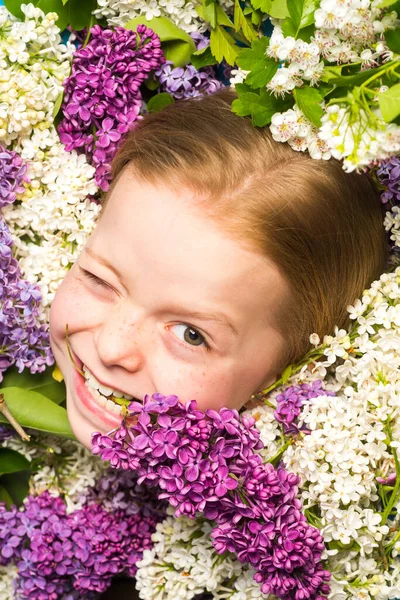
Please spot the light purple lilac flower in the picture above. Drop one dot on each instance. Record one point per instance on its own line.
(102, 96)
(291, 401)
(389, 175)
(12, 176)
(187, 82)
(209, 463)
(24, 340)
(76, 555)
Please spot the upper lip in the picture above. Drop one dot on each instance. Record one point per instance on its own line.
(81, 364)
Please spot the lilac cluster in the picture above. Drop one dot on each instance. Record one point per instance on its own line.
(208, 463)
(102, 95)
(12, 176)
(291, 401)
(24, 341)
(73, 555)
(389, 176)
(187, 82)
(6, 432)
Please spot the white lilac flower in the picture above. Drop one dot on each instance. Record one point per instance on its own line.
(7, 576)
(183, 563)
(270, 430)
(341, 129)
(68, 468)
(181, 12)
(34, 63)
(54, 210)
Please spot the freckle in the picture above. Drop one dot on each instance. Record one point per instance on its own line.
(204, 373)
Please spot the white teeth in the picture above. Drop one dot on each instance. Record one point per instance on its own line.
(101, 400)
(95, 385)
(110, 405)
(106, 391)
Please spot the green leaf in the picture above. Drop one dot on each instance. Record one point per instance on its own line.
(330, 75)
(14, 7)
(56, 6)
(392, 37)
(152, 83)
(159, 101)
(35, 411)
(279, 9)
(223, 45)
(208, 12)
(286, 374)
(222, 17)
(80, 12)
(178, 46)
(57, 104)
(306, 32)
(16, 486)
(262, 68)
(242, 24)
(260, 105)
(385, 3)
(64, 1)
(12, 461)
(389, 103)
(203, 58)
(5, 497)
(302, 12)
(264, 5)
(42, 383)
(309, 100)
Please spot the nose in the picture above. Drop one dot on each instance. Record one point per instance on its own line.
(117, 340)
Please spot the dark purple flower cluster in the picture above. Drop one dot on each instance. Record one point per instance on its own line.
(6, 432)
(102, 96)
(389, 176)
(291, 401)
(208, 463)
(24, 341)
(12, 176)
(70, 556)
(187, 82)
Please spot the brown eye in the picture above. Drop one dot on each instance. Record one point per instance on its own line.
(188, 334)
(193, 337)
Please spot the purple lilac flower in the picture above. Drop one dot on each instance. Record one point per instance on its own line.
(76, 555)
(187, 82)
(6, 432)
(23, 339)
(208, 463)
(389, 175)
(12, 176)
(102, 96)
(291, 401)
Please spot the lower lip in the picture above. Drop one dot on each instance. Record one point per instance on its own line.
(90, 409)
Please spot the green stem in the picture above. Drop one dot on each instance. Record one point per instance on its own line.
(281, 450)
(396, 488)
(87, 38)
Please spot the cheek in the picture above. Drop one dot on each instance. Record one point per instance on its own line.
(72, 305)
(212, 387)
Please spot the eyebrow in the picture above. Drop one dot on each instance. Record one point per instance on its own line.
(204, 316)
(104, 262)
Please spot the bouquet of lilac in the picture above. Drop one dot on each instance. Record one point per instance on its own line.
(208, 463)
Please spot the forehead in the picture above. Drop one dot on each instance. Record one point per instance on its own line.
(164, 234)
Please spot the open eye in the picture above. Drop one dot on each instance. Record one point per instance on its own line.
(189, 334)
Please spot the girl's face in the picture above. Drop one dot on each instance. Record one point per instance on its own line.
(162, 300)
